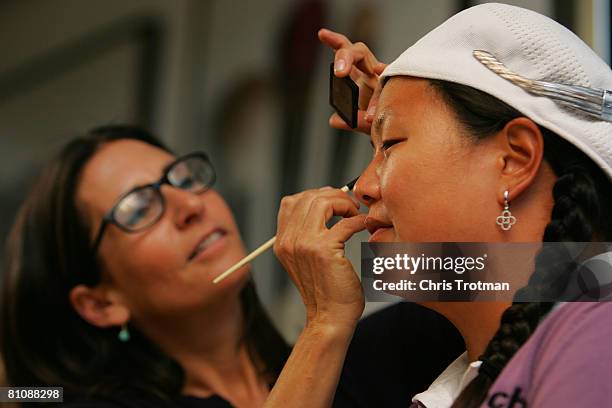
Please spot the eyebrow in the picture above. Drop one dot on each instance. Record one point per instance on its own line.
(380, 121)
(141, 185)
(378, 124)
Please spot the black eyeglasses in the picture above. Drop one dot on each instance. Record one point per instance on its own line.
(143, 206)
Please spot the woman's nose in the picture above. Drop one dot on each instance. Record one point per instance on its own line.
(367, 188)
(186, 207)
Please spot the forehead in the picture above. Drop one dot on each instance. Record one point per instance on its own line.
(116, 168)
(403, 99)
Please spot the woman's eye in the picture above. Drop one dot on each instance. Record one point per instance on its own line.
(388, 143)
(186, 182)
(137, 215)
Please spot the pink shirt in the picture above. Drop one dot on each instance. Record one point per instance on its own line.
(567, 362)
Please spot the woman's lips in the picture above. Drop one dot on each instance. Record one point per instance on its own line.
(380, 235)
(378, 227)
(210, 245)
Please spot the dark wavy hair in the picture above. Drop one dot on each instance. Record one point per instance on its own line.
(44, 342)
(582, 198)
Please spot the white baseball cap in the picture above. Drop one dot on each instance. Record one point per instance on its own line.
(531, 45)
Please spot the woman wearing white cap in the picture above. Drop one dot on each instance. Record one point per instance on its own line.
(458, 140)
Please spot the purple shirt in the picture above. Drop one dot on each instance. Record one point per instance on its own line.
(567, 362)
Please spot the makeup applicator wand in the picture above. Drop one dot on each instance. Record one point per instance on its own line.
(267, 245)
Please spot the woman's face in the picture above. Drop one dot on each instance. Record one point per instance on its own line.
(153, 270)
(427, 181)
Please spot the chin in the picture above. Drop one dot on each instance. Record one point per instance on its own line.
(225, 292)
(236, 280)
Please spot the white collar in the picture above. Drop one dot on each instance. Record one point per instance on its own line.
(447, 387)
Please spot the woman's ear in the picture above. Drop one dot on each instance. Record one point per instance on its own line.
(522, 154)
(100, 306)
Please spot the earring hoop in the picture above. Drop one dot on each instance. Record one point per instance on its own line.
(506, 220)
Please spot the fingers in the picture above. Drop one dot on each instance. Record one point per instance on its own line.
(313, 255)
(349, 54)
(374, 95)
(324, 207)
(347, 227)
(379, 68)
(363, 124)
(358, 55)
(299, 204)
(301, 225)
(307, 213)
(333, 39)
(369, 117)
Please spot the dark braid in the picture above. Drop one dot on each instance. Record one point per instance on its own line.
(581, 193)
(578, 210)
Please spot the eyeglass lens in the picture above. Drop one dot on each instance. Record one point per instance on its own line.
(143, 206)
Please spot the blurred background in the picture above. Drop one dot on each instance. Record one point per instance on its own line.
(246, 81)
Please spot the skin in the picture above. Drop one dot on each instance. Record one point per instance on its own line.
(148, 281)
(333, 299)
(428, 176)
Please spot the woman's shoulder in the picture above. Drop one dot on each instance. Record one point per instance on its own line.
(566, 360)
(569, 323)
(572, 334)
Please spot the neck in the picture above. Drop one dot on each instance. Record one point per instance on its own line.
(477, 324)
(208, 345)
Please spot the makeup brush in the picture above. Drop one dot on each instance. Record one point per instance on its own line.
(266, 245)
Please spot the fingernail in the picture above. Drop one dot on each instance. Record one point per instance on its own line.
(339, 65)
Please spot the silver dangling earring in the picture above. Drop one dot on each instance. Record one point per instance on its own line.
(124, 334)
(506, 220)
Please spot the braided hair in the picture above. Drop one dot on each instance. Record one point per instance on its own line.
(581, 194)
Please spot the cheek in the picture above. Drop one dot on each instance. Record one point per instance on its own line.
(218, 210)
(140, 263)
(423, 196)
(156, 280)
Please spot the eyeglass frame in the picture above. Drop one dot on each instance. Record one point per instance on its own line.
(109, 217)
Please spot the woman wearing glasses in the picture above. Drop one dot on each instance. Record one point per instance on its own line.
(108, 289)
(108, 293)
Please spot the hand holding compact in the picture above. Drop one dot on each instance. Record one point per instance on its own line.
(357, 61)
